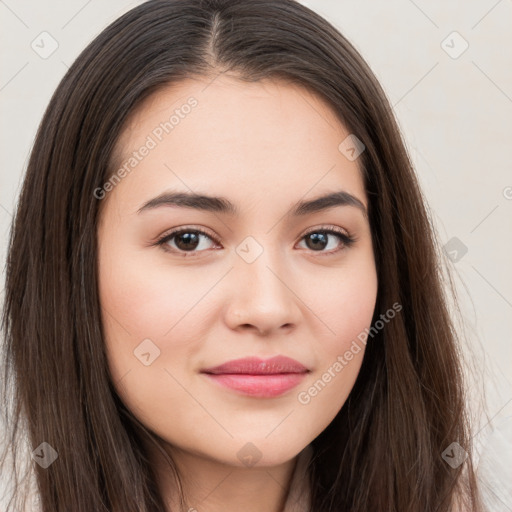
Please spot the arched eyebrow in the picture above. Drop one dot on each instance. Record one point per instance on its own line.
(219, 204)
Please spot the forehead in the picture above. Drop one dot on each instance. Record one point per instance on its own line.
(225, 134)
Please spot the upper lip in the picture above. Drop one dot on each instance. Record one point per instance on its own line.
(256, 366)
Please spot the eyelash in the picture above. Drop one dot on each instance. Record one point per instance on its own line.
(346, 239)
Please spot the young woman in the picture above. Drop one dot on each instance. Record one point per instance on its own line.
(223, 290)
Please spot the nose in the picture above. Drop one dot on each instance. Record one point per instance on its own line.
(263, 297)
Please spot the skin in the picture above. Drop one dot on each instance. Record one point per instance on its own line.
(264, 146)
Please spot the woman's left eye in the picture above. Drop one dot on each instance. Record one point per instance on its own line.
(319, 239)
(192, 241)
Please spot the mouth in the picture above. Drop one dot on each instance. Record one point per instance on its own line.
(258, 378)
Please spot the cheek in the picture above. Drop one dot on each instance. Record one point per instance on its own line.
(343, 303)
(148, 308)
(148, 334)
(344, 307)
(135, 305)
(148, 299)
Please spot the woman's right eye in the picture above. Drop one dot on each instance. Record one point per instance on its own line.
(185, 241)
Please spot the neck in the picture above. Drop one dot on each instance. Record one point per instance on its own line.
(210, 485)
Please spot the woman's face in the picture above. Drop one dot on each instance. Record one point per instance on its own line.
(263, 280)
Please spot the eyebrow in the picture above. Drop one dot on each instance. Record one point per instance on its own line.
(223, 205)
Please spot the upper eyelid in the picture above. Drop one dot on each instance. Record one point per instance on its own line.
(205, 231)
(325, 228)
(175, 231)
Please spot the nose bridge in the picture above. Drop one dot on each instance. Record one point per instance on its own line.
(261, 269)
(262, 296)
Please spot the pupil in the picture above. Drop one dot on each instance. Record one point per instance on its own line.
(315, 238)
(188, 238)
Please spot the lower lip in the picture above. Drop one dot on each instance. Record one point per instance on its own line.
(263, 386)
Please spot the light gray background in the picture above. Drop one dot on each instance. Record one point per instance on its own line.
(455, 114)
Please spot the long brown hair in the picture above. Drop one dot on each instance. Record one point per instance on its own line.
(383, 451)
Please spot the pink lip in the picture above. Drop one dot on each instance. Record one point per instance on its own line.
(259, 378)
